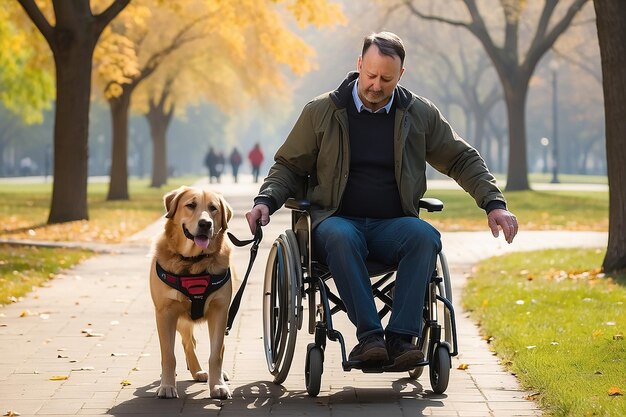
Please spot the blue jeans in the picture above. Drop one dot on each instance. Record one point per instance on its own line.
(412, 244)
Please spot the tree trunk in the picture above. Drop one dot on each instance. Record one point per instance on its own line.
(120, 108)
(611, 23)
(159, 123)
(73, 63)
(517, 176)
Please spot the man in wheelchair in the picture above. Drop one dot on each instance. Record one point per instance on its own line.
(364, 149)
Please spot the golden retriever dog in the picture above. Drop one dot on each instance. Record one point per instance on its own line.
(190, 283)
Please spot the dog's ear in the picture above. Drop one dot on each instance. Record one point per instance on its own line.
(227, 211)
(171, 201)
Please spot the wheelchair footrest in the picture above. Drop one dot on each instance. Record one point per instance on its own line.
(380, 367)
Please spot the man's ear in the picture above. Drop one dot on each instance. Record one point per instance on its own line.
(171, 200)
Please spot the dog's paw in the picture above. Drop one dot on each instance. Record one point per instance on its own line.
(220, 392)
(225, 376)
(202, 376)
(167, 391)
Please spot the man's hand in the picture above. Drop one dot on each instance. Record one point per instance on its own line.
(260, 211)
(506, 220)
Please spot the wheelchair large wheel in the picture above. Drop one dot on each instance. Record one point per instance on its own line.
(313, 369)
(439, 369)
(280, 305)
(292, 242)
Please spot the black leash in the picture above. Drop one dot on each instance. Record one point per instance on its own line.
(256, 240)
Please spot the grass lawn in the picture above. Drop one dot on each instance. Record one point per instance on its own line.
(25, 209)
(25, 267)
(535, 210)
(24, 212)
(558, 324)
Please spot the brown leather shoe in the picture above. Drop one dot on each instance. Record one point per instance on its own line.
(372, 348)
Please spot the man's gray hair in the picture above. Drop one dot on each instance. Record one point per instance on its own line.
(388, 44)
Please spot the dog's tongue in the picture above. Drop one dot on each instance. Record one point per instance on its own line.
(201, 241)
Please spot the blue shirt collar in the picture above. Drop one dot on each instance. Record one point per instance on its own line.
(360, 106)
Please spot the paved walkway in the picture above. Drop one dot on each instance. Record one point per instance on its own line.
(95, 325)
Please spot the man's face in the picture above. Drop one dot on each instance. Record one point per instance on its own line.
(378, 76)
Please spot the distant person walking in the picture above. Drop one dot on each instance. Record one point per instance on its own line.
(210, 161)
(235, 161)
(220, 164)
(256, 159)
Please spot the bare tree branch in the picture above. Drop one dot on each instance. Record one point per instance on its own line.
(104, 18)
(417, 12)
(541, 45)
(40, 21)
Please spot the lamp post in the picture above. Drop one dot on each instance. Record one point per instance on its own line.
(545, 142)
(554, 66)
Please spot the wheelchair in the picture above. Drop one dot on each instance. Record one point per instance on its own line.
(292, 275)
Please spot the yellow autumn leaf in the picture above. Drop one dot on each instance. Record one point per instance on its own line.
(58, 378)
(463, 366)
(125, 383)
(11, 413)
(615, 391)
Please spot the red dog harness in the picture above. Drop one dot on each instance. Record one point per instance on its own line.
(196, 287)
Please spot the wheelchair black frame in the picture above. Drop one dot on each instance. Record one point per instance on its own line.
(292, 275)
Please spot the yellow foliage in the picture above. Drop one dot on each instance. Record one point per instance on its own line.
(216, 50)
(26, 76)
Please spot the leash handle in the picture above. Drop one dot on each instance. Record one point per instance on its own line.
(234, 306)
(258, 236)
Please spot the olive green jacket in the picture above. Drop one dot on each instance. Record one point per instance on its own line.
(317, 149)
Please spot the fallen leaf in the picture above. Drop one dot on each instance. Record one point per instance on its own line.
(463, 366)
(58, 378)
(25, 313)
(532, 395)
(125, 383)
(615, 392)
(11, 413)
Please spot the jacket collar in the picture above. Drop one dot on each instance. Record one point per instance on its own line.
(343, 94)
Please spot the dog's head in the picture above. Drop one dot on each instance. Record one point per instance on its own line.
(200, 214)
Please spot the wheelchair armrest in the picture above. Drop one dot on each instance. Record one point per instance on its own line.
(431, 204)
(301, 205)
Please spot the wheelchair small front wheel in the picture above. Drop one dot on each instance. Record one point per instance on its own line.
(440, 364)
(313, 369)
